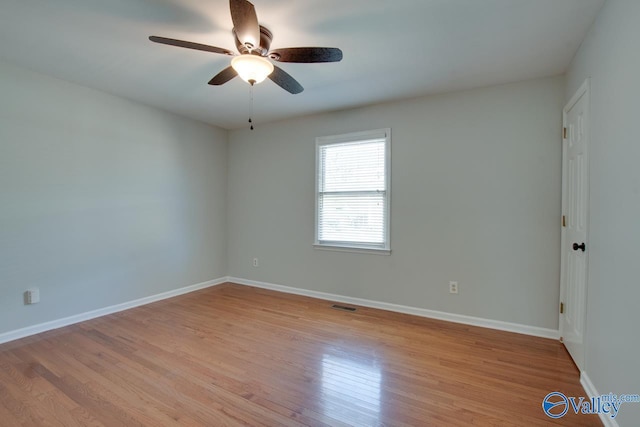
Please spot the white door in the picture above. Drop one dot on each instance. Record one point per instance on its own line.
(575, 248)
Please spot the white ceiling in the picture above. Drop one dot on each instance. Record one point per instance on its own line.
(392, 49)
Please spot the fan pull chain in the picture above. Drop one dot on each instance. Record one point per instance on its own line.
(251, 107)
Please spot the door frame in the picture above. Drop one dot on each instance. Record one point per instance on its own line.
(583, 91)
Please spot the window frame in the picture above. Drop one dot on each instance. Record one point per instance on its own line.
(385, 248)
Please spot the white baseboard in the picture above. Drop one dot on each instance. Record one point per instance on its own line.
(591, 391)
(55, 324)
(440, 315)
(433, 314)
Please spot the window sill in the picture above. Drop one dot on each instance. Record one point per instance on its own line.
(352, 249)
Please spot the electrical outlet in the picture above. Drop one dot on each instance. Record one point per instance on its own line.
(32, 296)
(453, 287)
(255, 262)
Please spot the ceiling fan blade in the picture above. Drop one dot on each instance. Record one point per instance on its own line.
(285, 81)
(190, 45)
(306, 54)
(245, 22)
(223, 76)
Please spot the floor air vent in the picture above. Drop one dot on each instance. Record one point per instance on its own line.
(343, 307)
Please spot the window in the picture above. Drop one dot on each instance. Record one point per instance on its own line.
(352, 191)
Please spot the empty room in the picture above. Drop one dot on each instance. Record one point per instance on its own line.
(319, 213)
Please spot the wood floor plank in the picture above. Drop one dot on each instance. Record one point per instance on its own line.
(234, 356)
(6, 415)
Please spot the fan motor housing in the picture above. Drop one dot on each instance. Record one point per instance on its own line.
(265, 43)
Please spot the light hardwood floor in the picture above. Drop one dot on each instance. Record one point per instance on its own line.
(236, 355)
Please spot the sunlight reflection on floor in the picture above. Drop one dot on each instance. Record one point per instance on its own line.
(351, 390)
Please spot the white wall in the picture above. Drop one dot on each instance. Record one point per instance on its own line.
(476, 190)
(102, 200)
(610, 56)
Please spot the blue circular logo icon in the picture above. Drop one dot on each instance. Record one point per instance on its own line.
(555, 405)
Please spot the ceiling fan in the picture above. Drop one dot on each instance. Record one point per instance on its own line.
(253, 42)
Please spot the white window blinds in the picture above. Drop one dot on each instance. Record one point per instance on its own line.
(353, 190)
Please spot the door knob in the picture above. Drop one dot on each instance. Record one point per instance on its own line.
(581, 246)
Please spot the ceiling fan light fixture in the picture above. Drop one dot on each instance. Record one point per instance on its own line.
(253, 42)
(252, 69)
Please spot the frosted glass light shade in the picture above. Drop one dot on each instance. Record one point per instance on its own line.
(252, 68)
